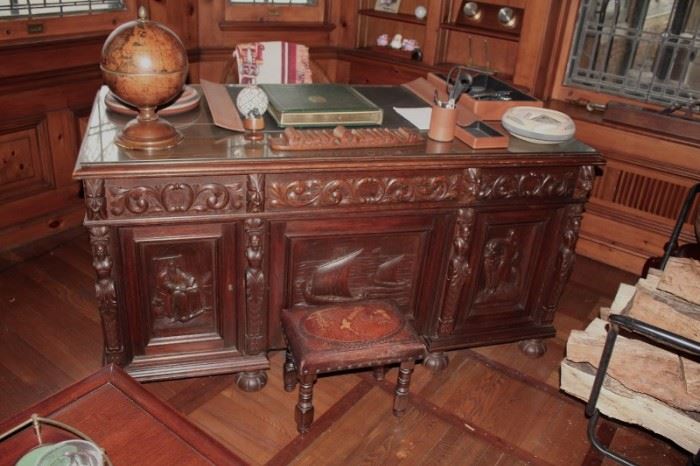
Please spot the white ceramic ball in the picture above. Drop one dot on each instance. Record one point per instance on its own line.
(252, 101)
(421, 12)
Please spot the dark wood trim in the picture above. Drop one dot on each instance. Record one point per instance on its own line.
(287, 454)
(464, 424)
(50, 78)
(275, 26)
(524, 378)
(51, 42)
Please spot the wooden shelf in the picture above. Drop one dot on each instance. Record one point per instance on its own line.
(510, 36)
(389, 52)
(402, 17)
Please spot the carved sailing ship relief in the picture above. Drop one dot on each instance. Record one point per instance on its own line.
(501, 266)
(387, 274)
(329, 283)
(179, 296)
(358, 275)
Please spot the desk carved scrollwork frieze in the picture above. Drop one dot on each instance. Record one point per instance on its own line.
(492, 184)
(365, 190)
(164, 198)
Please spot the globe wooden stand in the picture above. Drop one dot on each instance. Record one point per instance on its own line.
(254, 127)
(148, 132)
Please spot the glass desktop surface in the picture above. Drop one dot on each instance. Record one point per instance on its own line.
(203, 141)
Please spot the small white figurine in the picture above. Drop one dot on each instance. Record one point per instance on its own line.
(409, 45)
(420, 12)
(396, 42)
(383, 40)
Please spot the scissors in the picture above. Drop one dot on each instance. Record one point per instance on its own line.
(458, 80)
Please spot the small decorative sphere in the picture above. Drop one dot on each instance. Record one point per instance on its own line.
(144, 63)
(252, 102)
(420, 12)
(383, 40)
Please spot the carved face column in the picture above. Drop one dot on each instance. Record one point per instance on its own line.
(255, 228)
(459, 269)
(114, 351)
(102, 262)
(570, 232)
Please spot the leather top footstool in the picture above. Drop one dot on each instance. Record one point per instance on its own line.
(347, 336)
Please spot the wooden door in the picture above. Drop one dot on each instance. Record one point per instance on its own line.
(180, 288)
(335, 260)
(506, 273)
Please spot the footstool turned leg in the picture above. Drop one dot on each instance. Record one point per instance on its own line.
(379, 372)
(305, 408)
(290, 372)
(401, 394)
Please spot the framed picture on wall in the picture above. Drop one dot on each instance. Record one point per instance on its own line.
(390, 6)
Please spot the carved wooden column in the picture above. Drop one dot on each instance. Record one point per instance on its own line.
(256, 313)
(565, 257)
(458, 273)
(102, 262)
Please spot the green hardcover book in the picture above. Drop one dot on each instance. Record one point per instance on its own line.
(320, 105)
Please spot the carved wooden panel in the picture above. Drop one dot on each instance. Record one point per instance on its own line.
(546, 183)
(25, 161)
(181, 281)
(155, 197)
(287, 192)
(323, 261)
(510, 253)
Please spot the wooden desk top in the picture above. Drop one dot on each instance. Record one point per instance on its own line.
(207, 148)
(129, 423)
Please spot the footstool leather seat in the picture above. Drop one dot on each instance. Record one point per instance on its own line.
(347, 336)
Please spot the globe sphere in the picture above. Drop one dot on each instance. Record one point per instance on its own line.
(252, 102)
(144, 63)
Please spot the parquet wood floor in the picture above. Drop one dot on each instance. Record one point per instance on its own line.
(491, 406)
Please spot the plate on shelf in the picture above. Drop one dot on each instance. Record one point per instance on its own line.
(188, 100)
(538, 125)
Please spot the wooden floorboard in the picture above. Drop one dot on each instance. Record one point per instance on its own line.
(491, 406)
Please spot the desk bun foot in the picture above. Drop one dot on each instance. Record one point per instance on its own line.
(251, 381)
(533, 348)
(436, 362)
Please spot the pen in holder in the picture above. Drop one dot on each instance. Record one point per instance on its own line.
(442, 123)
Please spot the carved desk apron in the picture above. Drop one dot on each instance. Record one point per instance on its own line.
(198, 248)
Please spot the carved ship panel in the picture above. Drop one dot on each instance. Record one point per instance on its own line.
(512, 253)
(382, 258)
(180, 288)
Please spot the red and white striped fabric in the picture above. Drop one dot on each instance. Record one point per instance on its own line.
(272, 63)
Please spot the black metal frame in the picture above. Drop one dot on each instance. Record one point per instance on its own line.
(651, 332)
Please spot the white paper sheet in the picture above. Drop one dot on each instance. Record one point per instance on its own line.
(418, 116)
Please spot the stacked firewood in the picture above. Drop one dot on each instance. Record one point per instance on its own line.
(646, 384)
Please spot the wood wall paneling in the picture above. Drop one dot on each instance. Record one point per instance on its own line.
(634, 205)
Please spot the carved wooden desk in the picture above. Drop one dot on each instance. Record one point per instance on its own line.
(197, 249)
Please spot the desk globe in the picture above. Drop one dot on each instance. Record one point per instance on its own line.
(145, 64)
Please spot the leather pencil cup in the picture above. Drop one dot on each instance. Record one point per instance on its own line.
(442, 123)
